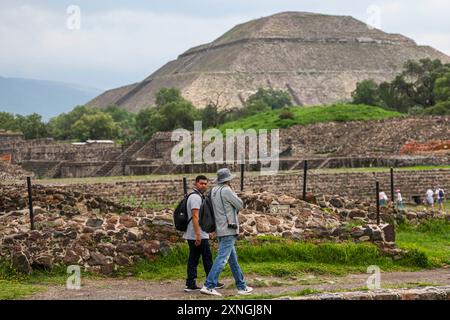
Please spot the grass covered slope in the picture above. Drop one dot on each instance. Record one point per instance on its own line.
(310, 115)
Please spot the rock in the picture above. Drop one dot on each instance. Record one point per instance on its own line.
(107, 249)
(18, 213)
(357, 233)
(107, 269)
(98, 259)
(336, 202)
(71, 258)
(356, 213)
(377, 235)
(38, 210)
(58, 222)
(130, 248)
(262, 225)
(152, 247)
(411, 215)
(129, 222)
(388, 232)
(100, 235)
(286, 234)
(43, 262)
(364, 238)
(21, 262)
(94, 223)
(122, 260)
(88, 230)
(134, 234)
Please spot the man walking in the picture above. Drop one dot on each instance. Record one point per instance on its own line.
(196, 238)
(226, 205)
(440, 198)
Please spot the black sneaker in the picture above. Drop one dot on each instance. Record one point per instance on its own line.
(191, 288)
(220, 285)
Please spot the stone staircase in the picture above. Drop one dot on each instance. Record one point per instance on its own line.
(55, 172)
(115, 167)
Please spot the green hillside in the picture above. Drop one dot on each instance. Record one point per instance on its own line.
(310, 115)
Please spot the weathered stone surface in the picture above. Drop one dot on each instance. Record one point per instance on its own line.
(94, 223)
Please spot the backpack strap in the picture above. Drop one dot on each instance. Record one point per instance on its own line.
(187, 198)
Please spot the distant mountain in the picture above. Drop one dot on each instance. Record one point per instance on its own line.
(47, 98)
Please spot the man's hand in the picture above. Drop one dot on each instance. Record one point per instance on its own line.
(198, 240)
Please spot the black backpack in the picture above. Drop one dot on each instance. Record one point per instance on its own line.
(207, 219)
(441, 193)
(181, 218)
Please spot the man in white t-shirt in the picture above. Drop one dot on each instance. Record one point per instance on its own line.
(197, 239)
(399, 201)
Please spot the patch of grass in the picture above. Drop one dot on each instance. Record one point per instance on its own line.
(310, 115)
(431, 237)
(14, 284)
(134, 202)
(445, 206)
(285, 259)
(10, 290)
(301, 293)
(410, 285)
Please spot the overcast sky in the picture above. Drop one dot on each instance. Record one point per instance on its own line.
(120, 42)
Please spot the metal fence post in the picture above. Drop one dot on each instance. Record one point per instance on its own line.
(377, 188)
(305, 172)
(392, 184)
(30, 202)
(185, 185)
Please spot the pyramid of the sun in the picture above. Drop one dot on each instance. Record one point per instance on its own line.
(317, 58)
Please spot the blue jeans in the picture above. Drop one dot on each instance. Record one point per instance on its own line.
(226, 253)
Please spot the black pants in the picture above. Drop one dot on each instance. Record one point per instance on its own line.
(195, 252)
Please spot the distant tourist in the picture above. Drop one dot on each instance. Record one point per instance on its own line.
(399, 201)
(440, 194)
(429, 198)
(383, 199)
(226, 205)
(197, 239)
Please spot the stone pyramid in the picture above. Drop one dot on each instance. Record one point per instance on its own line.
(317, 58)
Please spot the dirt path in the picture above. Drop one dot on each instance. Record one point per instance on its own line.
(118, 289)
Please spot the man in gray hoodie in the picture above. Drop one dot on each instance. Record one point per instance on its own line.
(226, 205)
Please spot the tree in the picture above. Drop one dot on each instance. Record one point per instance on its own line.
(60, 126)
(421, 77)
(441, 108)
(31, 126)
(212, 117)
(168, 95)
(367, 92)
(125, 120)
(275, 99)
(95, 126)
(254, 107)
(7, 121)
(442, 87)
(178, 114)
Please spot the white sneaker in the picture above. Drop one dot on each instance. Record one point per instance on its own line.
(247, 290)
(211, 292)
